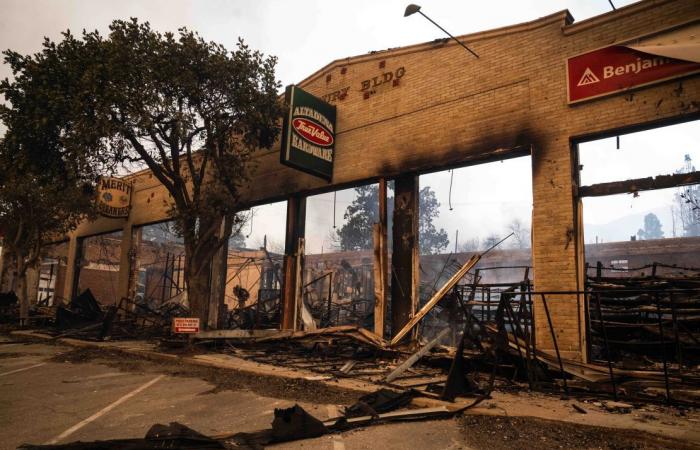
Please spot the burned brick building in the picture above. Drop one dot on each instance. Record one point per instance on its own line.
(538, 90)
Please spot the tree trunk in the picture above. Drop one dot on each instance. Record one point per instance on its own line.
(200, 249)
(7, 277)
(198, 287)
(21, 289)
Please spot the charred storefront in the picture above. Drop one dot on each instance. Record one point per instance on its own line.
(541, 110)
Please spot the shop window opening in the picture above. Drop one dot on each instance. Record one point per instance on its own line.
(641, 229)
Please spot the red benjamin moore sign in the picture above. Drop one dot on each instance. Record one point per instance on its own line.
(618, 68)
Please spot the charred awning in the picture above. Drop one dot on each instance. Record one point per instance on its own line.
(680, 43)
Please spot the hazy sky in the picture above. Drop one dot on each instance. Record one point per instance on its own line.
(307, 34)
(648, 153)
(304, 34)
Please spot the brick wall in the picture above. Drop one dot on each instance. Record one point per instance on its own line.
(449, 109)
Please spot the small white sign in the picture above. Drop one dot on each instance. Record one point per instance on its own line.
(185, 325)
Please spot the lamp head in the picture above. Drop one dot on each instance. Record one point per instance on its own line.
(411, 9)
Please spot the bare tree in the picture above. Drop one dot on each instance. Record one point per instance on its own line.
(521, 234)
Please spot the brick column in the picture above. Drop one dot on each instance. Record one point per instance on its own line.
(554, 252)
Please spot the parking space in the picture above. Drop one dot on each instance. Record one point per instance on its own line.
(46, 400)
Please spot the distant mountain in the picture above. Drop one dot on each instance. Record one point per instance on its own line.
(621, 229)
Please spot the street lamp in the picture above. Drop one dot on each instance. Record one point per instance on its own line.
(412, 9)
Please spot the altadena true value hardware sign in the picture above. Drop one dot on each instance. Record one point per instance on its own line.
(308, 134)
(619, 68)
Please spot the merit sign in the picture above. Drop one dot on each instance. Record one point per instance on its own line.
(308, 134)
(619, 68)
(185, 325)
(114, 197)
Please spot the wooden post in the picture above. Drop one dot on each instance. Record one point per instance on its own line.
(404, 260)
(381, 262)
(127, 264)
(296, 216)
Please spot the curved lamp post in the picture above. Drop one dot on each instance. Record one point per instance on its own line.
(412, 9)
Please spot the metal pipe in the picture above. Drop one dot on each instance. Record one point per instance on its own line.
(515, 326)
(663, 348)
(554, 340)
(674, 319)
(607, 346)
(447, 33)
(330, 296)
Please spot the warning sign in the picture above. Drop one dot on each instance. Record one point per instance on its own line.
(185, 325)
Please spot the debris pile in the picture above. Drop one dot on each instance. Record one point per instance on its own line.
(9, 307)
(86, 318)
(646, 320)
(288, 424)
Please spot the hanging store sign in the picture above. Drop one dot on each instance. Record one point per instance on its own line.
(308, 134)
(619, 68)
(114, 197)
(185, 325)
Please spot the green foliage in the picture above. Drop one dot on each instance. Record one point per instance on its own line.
(432, 240)
(45, 189)
(363, 212)
(360, 215)
(46, 181)
(189, 110)
(652, 228)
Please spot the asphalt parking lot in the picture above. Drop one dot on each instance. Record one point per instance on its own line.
(44, 399)
(55, 393)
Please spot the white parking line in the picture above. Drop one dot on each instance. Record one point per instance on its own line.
(21, 370)
(103, 411)
(338, 443)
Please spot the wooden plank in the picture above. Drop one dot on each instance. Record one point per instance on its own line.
(640, 184)
(296, 213)
(307, 320)
(234, 334)
(384, 249)
(436, 298)
(379, 280)
(406, 414)
(416, 356)
(381, 262)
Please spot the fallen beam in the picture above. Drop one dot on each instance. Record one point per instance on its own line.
(436, 298)
(415, 357)
(640, 184)
(407, 414)
(234, 334)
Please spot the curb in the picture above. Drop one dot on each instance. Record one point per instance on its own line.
(227, 362)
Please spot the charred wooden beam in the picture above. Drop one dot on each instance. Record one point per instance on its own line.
(296, 212)
(404, 260)
(381, 265)
(640, 184)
